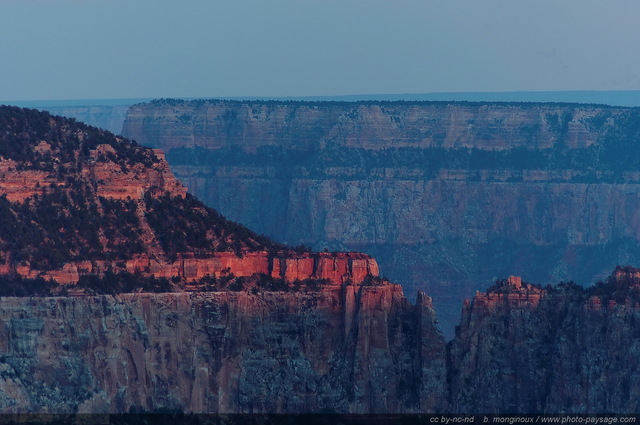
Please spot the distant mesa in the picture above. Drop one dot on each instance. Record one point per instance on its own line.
(448, 196)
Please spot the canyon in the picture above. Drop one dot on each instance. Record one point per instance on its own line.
(83, 211)
(343, 349)
(448, 197)
(128, 294)
(525, 348)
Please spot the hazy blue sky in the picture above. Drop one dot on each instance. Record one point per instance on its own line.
(78, 49)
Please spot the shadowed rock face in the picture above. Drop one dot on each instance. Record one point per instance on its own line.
(447, 196)
(341, 345)
(77, 202)
(342, 349)
(522, 348)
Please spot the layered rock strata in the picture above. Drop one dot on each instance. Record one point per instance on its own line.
(75, 200)
(357, 349)
(521, 348)
(338, 268)
(447, 196)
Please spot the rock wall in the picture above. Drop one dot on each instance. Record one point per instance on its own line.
(519, 348)
(447, 196)
(371, 125)
(343, 349)
(523, 349)
(336, 268)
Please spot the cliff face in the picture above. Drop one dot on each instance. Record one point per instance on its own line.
(296, 331)
(448, 197)
(342, 349)
(369, 125)
(245, 325)
(522, 348)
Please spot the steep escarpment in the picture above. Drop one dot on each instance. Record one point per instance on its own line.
(360, 349)
(520, 348)
(447, 196)
(243, 324)
(524, 348)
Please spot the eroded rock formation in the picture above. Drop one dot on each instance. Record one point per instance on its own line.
(360, 349)
(522, 348)
(349, 342)
(447, 196)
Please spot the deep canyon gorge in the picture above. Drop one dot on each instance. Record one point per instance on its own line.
(122, 292)
(447, 196)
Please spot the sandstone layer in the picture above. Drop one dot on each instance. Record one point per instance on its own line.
(447, 196)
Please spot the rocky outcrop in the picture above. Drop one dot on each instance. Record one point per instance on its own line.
(116, 182)
(447, 196)
(75, 201)
(521, 348)
(335, 268)
(113, 181)
(359, 349)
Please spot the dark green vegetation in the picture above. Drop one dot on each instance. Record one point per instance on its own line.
(111, 283)
(66, 220)
(620, 287)
(355, 102)
(186, 225)
(64, 225)
(123, 282)
(15, 286)
(22, 130)
(117, 283)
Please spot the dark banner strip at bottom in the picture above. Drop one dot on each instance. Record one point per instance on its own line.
(316, 419)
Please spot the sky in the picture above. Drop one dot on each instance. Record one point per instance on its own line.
(106, 49)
